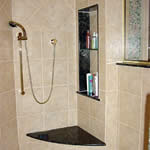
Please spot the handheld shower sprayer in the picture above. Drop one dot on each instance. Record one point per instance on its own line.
(23, 36)
(20, 36)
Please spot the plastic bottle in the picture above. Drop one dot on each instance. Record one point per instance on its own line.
(90, 85)
(88, 39)
(96, 41)
(93, 45)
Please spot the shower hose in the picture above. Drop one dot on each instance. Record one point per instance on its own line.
(30, 77)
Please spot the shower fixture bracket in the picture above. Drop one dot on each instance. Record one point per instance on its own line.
(53, 41)
(21, 37)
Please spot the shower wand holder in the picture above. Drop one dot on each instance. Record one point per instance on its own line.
(21, 74)
(22, 93)
(53, 41)
(21, 37)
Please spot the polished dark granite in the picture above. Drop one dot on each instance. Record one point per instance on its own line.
(69, 135)
(134, 64)
(85, 94)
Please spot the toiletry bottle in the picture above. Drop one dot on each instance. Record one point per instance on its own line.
(93, 41)
(88, 39)
(90, 85)
(96, 41)
(87, 82)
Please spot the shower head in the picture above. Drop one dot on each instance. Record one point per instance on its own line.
(12, 24)
(20, 36)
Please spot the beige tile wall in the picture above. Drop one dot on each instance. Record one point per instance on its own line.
(114, 52)
(123, 89)
(132, 103)
(8, 123)
(43, 21)
(127, 87)
(132, 99)
(118, 118)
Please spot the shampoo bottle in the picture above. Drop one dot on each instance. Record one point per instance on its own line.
(88, 39)
(90, 85)
(93, 45)
(96, 41)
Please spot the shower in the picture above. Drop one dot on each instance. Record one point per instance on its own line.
(22, 36)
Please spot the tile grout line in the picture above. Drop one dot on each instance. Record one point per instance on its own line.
(125, 124)
(42, 65)
(118, 119)
(141, 109)
(68, 92)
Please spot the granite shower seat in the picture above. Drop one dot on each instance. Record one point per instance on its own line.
(73, 135)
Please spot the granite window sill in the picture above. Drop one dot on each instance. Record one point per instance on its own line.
(144, 64)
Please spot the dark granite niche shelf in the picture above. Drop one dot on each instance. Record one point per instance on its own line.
(84, 93)
(88, 49)
(73, 135)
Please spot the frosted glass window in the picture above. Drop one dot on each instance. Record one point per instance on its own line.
(136, 29)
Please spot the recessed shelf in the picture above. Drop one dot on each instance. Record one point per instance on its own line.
(73, 135)
(85, 49)
(88, 50)
(84, 93)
